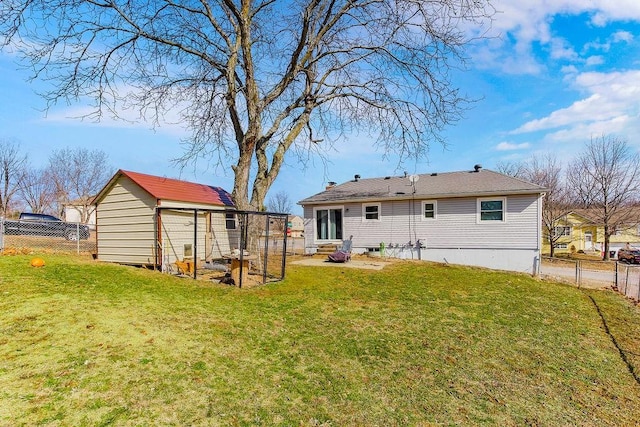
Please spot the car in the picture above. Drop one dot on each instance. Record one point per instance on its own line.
(631, 256)
(35, 224)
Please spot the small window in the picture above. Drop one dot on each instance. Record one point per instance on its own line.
(371, 212)
(491, 209)
(560, 246)
(428, 210)
(230, 221)
(562, 231)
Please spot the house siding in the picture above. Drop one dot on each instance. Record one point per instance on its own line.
(125, 222)
(455, 231)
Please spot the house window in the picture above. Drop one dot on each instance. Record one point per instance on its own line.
(491, 209)
(371, 212)
(560, 245)
(561, 231)
(329, 224)
(429, 210)
(230, 221)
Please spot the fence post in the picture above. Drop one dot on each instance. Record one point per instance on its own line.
(615, 276)
(578, 272)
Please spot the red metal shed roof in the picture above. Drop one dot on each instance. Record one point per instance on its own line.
(174, 189)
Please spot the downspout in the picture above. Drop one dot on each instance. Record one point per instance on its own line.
(195, 243)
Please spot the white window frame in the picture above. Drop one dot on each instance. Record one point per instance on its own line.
(561, 246)
(364, 212)
(435, 210)
(315, 223)
(479, 219)
(566, 230)
(228, 217)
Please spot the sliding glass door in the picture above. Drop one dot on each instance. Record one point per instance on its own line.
(329, 224)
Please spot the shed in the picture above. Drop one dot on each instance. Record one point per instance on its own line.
(150, 220)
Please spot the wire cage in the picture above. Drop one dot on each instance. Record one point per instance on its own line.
(241, 248)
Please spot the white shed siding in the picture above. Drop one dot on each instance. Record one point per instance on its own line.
(178, 228)
(223, 241)
(125, 221)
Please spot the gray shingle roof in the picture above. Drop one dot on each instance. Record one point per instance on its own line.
(442, 185)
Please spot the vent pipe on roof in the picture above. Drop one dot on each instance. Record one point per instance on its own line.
(330, 185)
(356, 177)
(477, 168)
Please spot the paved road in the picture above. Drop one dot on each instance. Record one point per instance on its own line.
(628, 277)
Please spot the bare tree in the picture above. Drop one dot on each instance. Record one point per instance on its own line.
(12, 170)
(604, 179)
(38, 191)
(251, 79)
(514, 169)
(279, 202)
(546, 171)
(78, 174)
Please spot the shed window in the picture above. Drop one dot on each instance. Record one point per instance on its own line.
(491, 209)
(230, 221)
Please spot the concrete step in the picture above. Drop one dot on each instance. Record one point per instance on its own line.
(326, 249)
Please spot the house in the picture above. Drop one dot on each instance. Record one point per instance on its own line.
(73, 212)
(150, 220)
(479, 217)
(296, 226)
(580, 231)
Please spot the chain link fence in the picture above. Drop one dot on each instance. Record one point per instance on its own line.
(26, 236)
(625, 278)
(234, 247)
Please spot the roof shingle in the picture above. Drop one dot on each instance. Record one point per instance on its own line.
(442, 185)
(163, 188)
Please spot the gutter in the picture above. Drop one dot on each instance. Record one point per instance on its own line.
(422, 197)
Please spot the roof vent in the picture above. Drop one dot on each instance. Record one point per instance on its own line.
(477, 168)
(387, 177)
(434, 174)
(356, 177)
(330, 185)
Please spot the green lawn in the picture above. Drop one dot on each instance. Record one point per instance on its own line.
(85, 343)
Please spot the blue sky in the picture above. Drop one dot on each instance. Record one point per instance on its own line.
(553, 75)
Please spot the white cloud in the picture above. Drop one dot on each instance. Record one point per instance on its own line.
(611, 105)
(622, 36)
(128, 118)
(569, 69)
(594, 60)
(561, 50)
(509, 146)
(519, 25)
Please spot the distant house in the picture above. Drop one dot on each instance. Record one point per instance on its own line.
(150, 220)
(73, 212)
(580, 231)
(478, 217)
(297, 226)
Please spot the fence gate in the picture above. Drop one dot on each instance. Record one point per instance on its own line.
(242, 248)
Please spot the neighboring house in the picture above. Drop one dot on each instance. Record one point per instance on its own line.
(140, 222)
(297, 226)
(478, 217)
(72, 212)
(579, 231)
